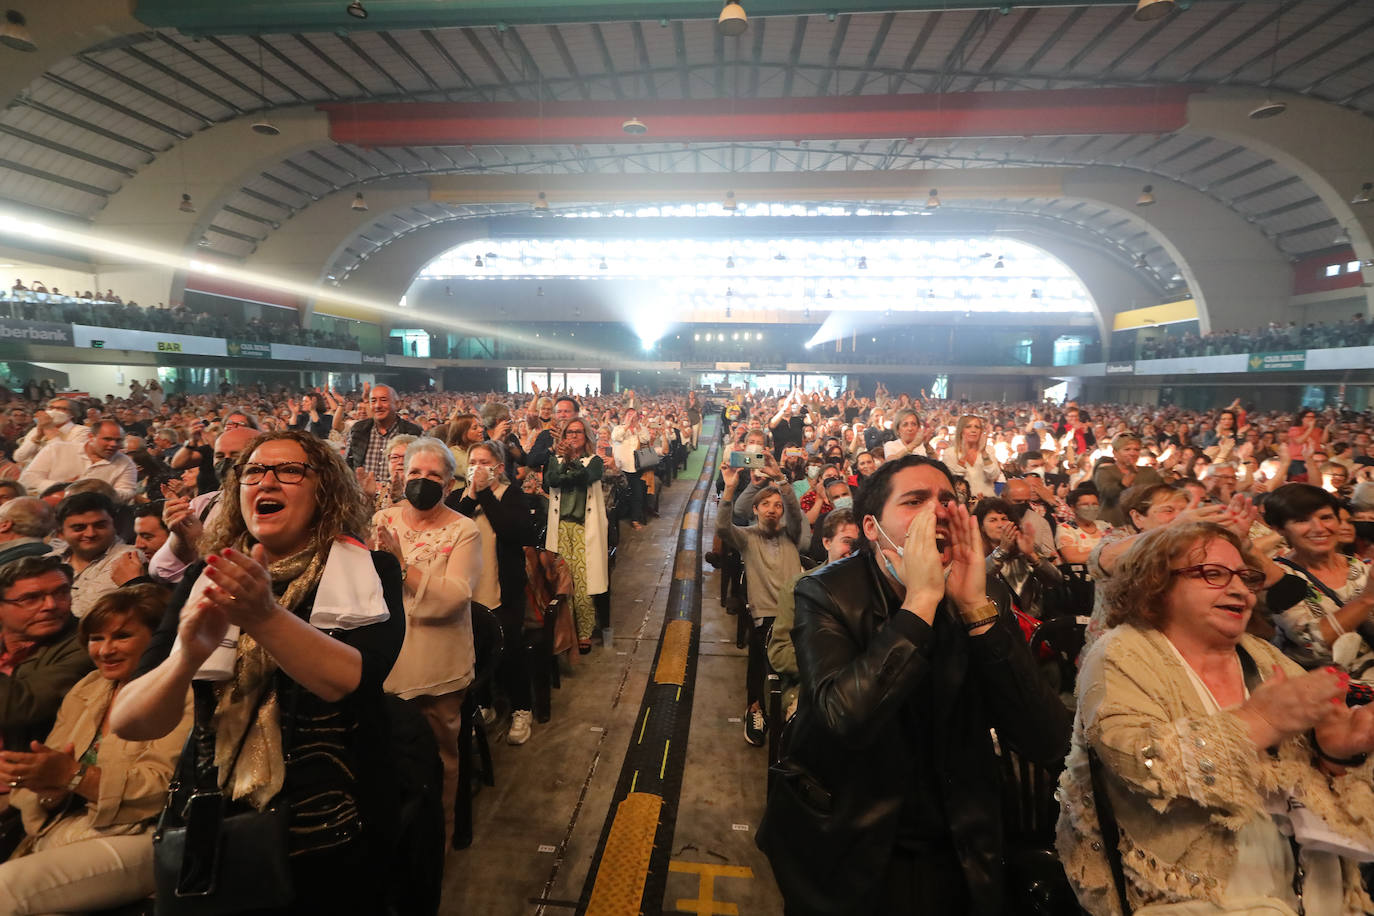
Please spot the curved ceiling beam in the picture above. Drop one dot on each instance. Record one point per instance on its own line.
(1330, 148)
(62, 31)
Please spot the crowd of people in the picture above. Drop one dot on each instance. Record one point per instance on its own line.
(36, 302)
(1274, 337)
(244, 586)
(1203, 576)
(272, 600)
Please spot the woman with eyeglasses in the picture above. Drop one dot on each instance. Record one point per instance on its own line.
(577, 522)
(440, 552)
(286, 633)
(1322, 607)
(1237, 782)
(87, 797)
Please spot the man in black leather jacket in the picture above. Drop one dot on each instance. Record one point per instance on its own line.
(888, 799)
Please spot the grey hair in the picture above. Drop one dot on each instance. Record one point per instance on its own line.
(29, 517)
(492, 413)
(403, 439)
(430, 445)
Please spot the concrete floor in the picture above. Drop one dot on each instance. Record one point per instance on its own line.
(536, 831)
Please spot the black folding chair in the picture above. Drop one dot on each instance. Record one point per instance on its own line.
(474, 750)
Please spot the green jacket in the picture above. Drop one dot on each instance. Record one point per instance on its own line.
(29, 698)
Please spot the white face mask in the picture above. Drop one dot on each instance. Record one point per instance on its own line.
(58, 417)
(901, 552)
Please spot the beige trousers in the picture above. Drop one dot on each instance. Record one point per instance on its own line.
(445, 716)
(89, 875)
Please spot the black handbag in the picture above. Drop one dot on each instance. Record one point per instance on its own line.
(210, 859)
(646, 458)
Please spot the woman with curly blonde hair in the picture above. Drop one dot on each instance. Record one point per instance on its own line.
(285, 633)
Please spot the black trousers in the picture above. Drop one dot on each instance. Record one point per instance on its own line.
(757, 674)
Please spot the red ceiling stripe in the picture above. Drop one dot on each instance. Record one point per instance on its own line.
(968, 114)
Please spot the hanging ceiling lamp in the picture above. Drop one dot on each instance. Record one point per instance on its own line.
(1362, 196)
(15, 32)
(541, 204)
(733, 20)
(730, 203)
(358, 202)
(634, 126)
(356, 9)
(186, 206)
(933, 201)
(1147, 10)
(1147, 196)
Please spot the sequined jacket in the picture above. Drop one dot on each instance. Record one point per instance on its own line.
(1182, 781)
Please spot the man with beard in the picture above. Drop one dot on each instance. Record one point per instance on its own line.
(888, 795)
(771, 553)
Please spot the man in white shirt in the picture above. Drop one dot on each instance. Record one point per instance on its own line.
(98, 457)
(52, 424)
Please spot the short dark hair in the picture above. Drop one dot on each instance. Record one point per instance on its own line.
(29, 567)
(81, 503)
(1296, 502)
(874, 492)
(763, 493)
(577, 408)
(990, 504)
(151, 510)
(1080, 491)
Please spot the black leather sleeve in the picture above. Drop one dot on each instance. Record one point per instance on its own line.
(856, 691)
(1026, 712)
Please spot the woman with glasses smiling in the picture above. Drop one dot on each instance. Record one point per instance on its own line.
(1209, 773)
(577, 521)
(285, 633)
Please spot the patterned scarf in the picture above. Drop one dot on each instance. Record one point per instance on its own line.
(260, 770)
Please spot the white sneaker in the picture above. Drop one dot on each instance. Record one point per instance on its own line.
(519, 727)
(488, 715)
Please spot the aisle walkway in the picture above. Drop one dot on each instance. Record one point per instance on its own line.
(536, 833)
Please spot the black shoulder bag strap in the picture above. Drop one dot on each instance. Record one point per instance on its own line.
(1106, 816)
(1111, 833)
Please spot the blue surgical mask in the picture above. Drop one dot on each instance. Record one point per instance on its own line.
(844, 502)
(891, 569)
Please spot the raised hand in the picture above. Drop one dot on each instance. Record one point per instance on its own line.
(242, 586)
(730, 475)
(1346, 731)
(967, 583)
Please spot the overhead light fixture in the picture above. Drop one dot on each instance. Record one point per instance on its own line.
(806, 313)
(729, 262)
(186, 206)
(539, 291)
(1140, 262)
(477, 261)
(634, 126)
(1035, 294)
(15, 32)
(1362, 196)
(730, 202)
(933, 201)
(732, 20)
(603, 265)
(779, 257)
(1270, 109)
(1000, 265)
(1147, 196)
(356, 9)
(360, 204)
(1146, 10)
(863, 263)
(541, 204)
(266, 128)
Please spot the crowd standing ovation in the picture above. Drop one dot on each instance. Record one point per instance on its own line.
(1171, 600)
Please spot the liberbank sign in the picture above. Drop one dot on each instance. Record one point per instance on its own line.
(36, 332)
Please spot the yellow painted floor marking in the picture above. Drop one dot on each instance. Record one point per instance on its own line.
(689, 521)
(672, 660)
(663, 768)
(634, 780)
(644, 725)
(619, 888)
(705, 902)
(685, 569)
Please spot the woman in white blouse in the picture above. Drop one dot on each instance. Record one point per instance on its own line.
(971, 458)
(911, 436)
(440, 552)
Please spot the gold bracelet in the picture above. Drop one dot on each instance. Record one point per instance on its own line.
(979, 614)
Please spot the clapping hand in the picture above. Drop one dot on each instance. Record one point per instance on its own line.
(1346, 731)
(242, 586)
(1287, 706)
(40, 769)
(388, 541)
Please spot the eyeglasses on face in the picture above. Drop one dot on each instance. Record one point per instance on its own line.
(1218, 576)
(575, 431)
(32, 601)
(285, 472)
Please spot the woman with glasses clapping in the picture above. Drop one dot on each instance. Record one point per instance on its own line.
(285, 633)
